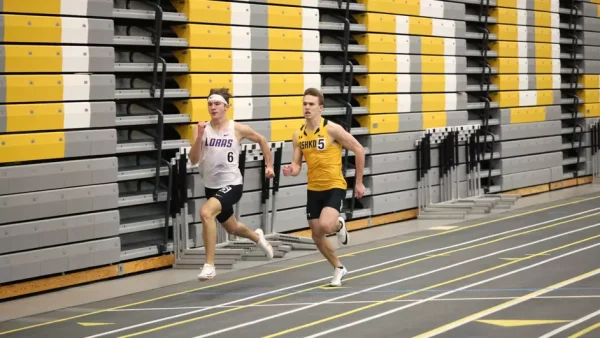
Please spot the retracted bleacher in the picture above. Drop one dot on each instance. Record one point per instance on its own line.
(98, 97)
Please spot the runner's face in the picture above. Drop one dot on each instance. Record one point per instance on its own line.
(311, 108)
(216, 109)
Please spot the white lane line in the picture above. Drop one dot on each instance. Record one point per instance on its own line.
(571, 324)
(328, 277)
(392, 283)
(355, 302)
(484, 313)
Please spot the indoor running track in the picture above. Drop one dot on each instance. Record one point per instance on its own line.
(502, 276)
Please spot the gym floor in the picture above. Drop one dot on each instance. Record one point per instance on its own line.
(499, 276)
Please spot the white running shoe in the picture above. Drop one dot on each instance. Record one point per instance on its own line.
(208, 272)
(338, 275)
(342, 235)
(264, 245)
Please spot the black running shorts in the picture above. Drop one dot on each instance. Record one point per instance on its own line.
(228, 196)
(317, 200)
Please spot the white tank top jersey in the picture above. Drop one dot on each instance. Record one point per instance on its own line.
(219, 166)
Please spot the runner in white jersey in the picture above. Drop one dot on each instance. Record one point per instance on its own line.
(216, 149)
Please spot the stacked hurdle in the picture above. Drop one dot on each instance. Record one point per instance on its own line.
(449, 201)
(230, 249)
(595, 151)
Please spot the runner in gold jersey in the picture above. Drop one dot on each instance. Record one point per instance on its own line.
(320, 142)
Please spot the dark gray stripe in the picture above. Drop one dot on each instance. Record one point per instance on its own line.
(530, 19)
(461, 65)
(103, 114)
(259, 15)
(556, 96)
(260, 62)
(3, 88)
(531, 66)
(259, 38)
(3, 119)
(530, 4)
(415, 63)
(461, 83)
(261, 108)
(2, 25)
(530, 34)
(102, 87)
(416, 102)
(2, 58)
(532, 85)
(99, 8)
(100, 32)
(416, 83)
(415, 44)
(101, 59)
(261, 84)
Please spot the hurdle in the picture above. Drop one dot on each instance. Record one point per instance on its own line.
(449, 202)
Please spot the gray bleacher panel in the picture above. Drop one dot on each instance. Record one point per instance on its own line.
(405, 180)
(531, 178)
(529, 146)
(530, 163)
(387, 143)
(529, 130)
(591, 38)
(591, 24)
(552, 113)
(56, 231)
(53, 203)
(591, 66)
(414, 121)
(30, 264)
(90, 142)
(286, 220)
(57, 175)
(591, 52)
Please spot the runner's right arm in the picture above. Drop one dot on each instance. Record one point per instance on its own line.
(295, 167)
(197, 143)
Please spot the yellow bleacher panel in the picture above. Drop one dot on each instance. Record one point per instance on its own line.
(30, 147)
(404, 7)
(433, 83)
(34, 117)
(380, 123)
(434, 102)
(31, 59)
(590, 109)
(234, 13)
(590, 81)
(434, 120)
(378, 43)
(527, 115)
(589, 95)
(283, 130)
(24, 28)
(286, 106)
(433, 46)
(375, 22)
(420, 26)
(34, 88)
(215, 36)
(382, 83)
(378, 63)
(186, 132)
(379, 104)
(32, 6)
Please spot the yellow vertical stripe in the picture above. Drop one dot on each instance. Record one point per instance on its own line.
(433, 83)
(433, 64)
(286, 39)
(434, 120)
(30, 147)
(206, 11)
(542, 5)
(506, 48)
(545, 98)
(378, 104)
(543, 66)
(420, 26)
(527, 115)
(378, 43)
(506, 32)
(591, 81)
(31, 59)
(286, 84)
(404, 7)
(34, 117)
(588, 96)
(591, 110)
(206, 60)
(542, 19)
(205, 35)
(505, 15)
(282, 62)
(506, 65)
(506, 3)
(32, 6)
(506, 82)
(543, 50)
(378, 63)
(543, 82)
(385, 83)
(433, 102)
(283, 130)
(377, 22)
(23, 28)
(506, 99)
(282, 107)
(286, 2)
(433, 46)
(381, 123)
(280, 16)
(543, 35)
(197, 109)
(34, 88)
